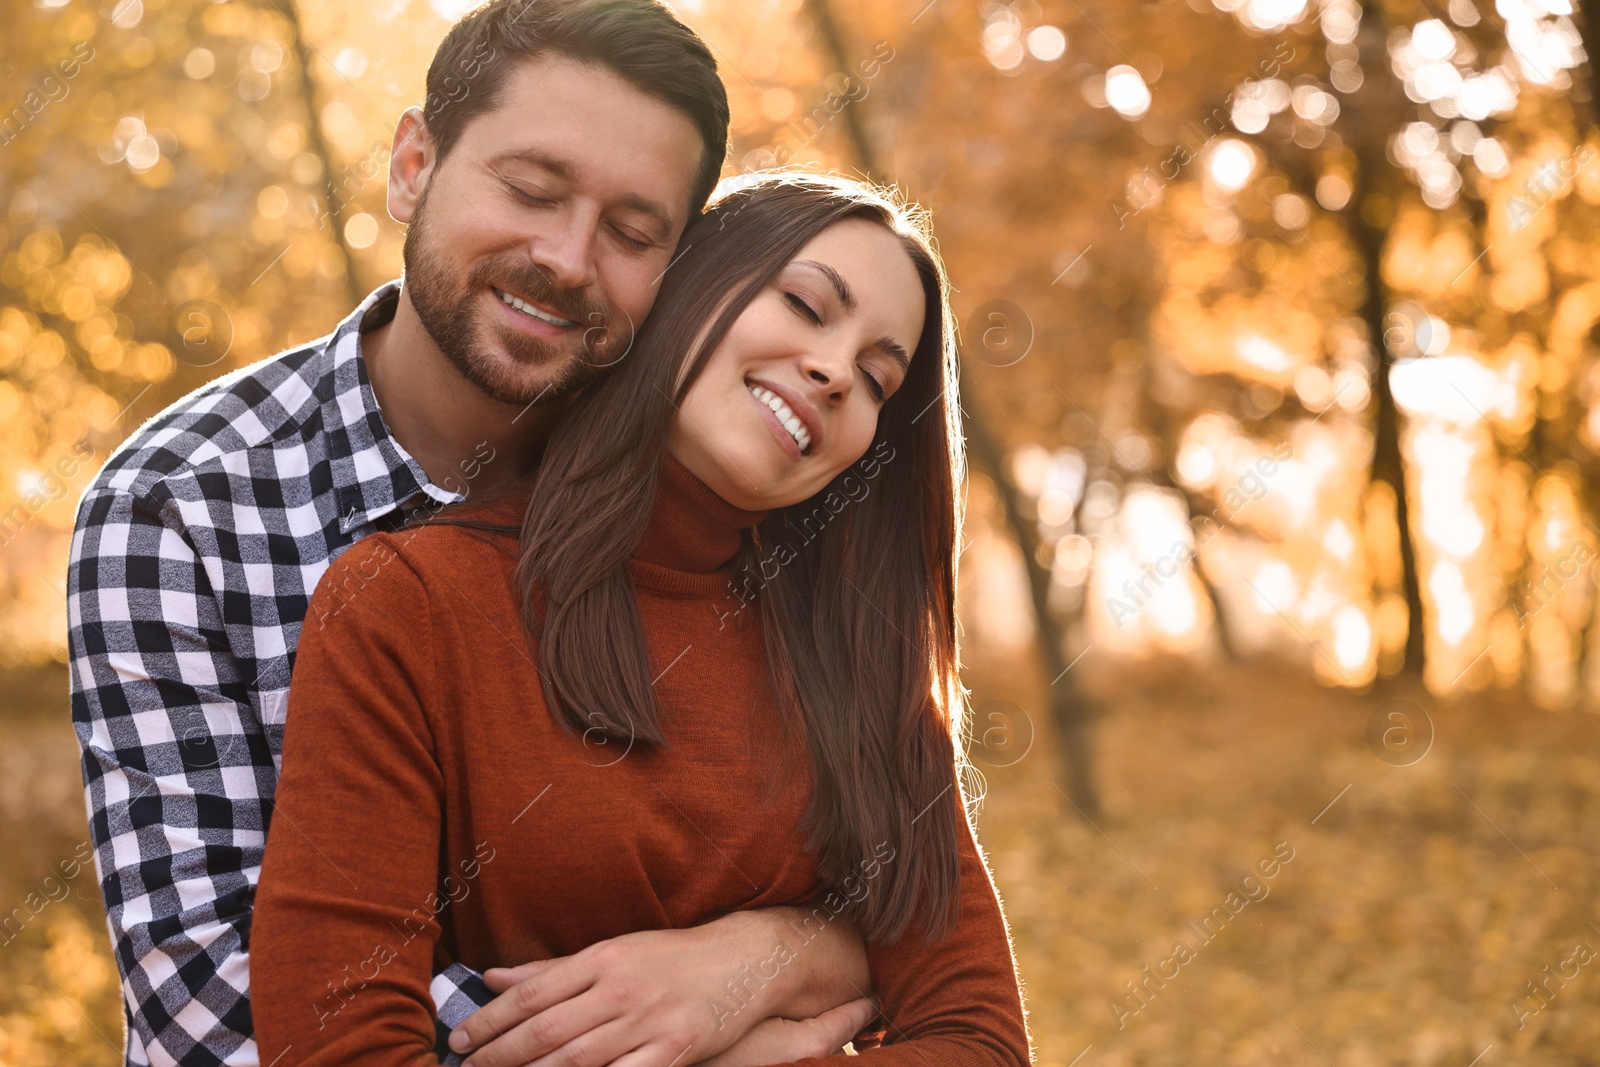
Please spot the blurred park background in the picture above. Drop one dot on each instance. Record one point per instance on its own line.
(1282, 382)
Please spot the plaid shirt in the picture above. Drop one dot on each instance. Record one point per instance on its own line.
(195, 553)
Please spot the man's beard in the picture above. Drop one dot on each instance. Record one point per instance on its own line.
(444, 300)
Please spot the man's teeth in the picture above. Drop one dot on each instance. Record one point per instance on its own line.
(796, 428)
(528, 309)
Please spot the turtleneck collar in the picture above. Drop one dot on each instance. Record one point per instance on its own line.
(691, 530)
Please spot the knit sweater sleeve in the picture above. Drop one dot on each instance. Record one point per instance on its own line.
(346, 916)
(957, 1002)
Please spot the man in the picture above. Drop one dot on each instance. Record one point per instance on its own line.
(562, 149)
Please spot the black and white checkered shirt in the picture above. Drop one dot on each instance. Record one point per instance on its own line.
(196, 551)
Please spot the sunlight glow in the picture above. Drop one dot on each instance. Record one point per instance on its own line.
(1452, 601)
(1339, 540)
(1231, 164)
(1126, 91)
(1266, 14)
(1454, 389)
(1047, 43)
(1258, 351)
(1275, 586)
(1352, 637)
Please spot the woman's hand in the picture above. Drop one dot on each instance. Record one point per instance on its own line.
(655, 998)
(778, 1040)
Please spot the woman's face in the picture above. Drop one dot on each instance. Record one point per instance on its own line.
(791, 396)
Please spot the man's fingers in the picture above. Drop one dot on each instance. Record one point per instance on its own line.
(522, 1002)
(500, 979)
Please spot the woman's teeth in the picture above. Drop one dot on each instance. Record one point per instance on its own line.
(528, 309)
(796, 428)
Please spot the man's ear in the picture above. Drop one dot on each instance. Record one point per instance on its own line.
(410, 164)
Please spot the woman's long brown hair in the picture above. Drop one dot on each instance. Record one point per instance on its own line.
(859, 616)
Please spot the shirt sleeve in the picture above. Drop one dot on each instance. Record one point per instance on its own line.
(178, 779)
(458, 991)
(957, 1002)
(347, 915)
(175, 768)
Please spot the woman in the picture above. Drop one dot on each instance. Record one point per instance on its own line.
(717, 672)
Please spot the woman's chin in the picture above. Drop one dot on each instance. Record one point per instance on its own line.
(790, 493)
(755, 475)
(753, 491)
(781, 482)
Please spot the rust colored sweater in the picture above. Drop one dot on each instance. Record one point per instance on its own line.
(431, 808)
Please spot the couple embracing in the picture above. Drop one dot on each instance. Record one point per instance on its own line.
(612, 551)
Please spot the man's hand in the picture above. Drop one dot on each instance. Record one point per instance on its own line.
(663, 997)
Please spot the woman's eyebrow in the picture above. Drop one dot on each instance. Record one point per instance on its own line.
(895, 351)
(840, 286)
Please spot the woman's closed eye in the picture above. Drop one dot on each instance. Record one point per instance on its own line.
(877, 386)
(802, 308)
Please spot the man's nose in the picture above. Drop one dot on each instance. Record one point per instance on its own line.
(566, 251)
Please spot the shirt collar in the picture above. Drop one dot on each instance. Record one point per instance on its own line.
(372, 474)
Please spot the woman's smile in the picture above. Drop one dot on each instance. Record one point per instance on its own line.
(794, 422)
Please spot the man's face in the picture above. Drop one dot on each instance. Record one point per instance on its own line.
(537, 246)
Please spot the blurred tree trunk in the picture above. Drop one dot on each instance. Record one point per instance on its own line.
(318, 146)
(1372, 112)
(1069, 711)
(1158, 418)
(1589, 29)
(1588, 493)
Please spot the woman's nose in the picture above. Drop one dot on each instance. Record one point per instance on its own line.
(828, 371)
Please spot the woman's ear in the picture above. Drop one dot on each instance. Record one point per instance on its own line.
(411, 163)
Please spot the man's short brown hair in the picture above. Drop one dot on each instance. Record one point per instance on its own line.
(641, 41)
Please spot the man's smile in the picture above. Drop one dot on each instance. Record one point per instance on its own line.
(533, 311)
